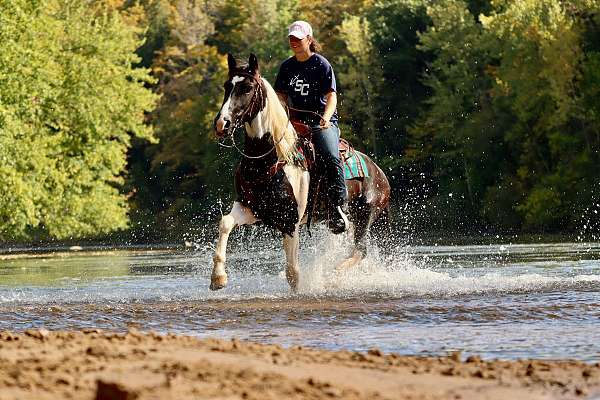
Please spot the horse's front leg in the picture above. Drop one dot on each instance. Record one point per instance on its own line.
(291, 246)
(299, 180)
(239, 215)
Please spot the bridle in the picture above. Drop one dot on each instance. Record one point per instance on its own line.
(257, 99)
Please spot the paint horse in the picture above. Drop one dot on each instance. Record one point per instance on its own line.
(272, 182)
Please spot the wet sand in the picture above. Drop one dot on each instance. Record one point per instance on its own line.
(92, 364)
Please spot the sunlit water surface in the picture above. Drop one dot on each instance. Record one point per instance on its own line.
(499, 301)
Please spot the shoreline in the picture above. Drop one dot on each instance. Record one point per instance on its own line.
(92, 364)
(24, 252)
(17, 253)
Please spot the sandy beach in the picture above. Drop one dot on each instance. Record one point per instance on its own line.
(92, 364)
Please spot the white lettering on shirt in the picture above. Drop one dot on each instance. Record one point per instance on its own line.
(300, 86)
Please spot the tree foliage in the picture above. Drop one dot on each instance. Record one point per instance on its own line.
(70, 101)
(484, 114)
(506, 105)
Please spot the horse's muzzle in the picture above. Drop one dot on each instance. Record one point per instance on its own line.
(222, 127)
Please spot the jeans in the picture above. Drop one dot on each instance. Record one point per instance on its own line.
(329, 165)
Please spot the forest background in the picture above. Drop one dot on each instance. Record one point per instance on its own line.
(485, 115)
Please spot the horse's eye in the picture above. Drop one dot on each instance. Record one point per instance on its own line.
(245, 88)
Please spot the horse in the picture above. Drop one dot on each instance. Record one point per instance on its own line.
(271, 182)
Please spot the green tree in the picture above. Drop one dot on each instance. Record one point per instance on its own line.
(398, 98)
(506, 126)
(540, 43)
(183, 175)
(155, 21)
(361, 79)
(70, 101)
(455, 131)
(257, 26)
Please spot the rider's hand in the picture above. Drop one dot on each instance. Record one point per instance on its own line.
(325, 123)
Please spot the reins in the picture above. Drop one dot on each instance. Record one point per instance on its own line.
(301, 110)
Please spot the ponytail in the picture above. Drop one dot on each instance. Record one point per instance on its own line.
(315, 46)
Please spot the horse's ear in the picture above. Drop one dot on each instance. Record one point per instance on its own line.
(253, 63)
(231, 62)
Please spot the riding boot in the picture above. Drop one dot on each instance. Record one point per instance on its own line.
(338, 200)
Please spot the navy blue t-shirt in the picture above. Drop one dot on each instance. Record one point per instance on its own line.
(306, 83)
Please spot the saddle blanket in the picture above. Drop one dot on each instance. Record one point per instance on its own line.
(354, 165)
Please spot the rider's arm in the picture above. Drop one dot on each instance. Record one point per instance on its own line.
(330, 105)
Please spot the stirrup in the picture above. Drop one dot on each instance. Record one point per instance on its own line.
(334, 223)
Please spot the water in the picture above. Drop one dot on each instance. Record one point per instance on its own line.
(500, 301)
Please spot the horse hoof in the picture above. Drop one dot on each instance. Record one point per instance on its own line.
(348, 263)
(218, 282)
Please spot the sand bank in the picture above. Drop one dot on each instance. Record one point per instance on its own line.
(98, 365)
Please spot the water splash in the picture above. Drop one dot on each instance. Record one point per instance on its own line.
(431, 271)
(256, 271)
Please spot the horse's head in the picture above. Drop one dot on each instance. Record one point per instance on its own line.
(244, 95)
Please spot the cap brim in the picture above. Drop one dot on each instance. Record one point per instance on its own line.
(297, 34)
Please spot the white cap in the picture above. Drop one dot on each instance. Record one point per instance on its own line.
(300, 29)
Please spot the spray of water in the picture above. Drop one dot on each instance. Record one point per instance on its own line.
(430, 271)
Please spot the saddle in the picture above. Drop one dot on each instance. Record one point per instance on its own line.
(305, 141)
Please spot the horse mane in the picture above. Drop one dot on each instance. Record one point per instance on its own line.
(278, 123)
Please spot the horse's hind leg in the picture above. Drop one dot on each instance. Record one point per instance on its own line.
(363, 218)
(291, 246)
(239, 215)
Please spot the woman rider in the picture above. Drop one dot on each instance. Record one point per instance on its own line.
(306, 81)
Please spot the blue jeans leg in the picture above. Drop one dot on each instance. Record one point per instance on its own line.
(326, 142)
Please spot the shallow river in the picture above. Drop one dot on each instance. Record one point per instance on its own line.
(500, 301)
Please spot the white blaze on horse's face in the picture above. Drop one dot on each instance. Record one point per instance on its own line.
(225, 115)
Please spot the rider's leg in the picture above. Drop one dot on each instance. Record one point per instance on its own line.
(326, 142)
